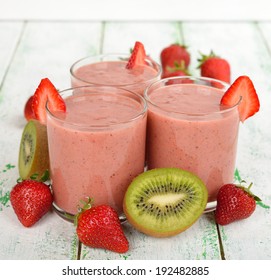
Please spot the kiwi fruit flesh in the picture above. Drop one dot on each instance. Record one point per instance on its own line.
(33, 152)
(164, 202)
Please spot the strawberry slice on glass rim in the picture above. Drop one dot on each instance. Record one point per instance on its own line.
(46, 91)
(137, 57)
(242, 88)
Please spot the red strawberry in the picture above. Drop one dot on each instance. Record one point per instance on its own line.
(174, 55)
(234, 203)
(28, 111)
(46, 91)
(99, 227)
(137, 57)
(213, 66)
(242, 87)
(31, 200)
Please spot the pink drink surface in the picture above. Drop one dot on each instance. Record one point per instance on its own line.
(205, 145)
(97, 162)
(114, 73)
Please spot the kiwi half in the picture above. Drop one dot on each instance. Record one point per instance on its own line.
(33, 153)
(164, 201)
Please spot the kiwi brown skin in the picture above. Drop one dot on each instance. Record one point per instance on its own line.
(33, 152)
(177, 219)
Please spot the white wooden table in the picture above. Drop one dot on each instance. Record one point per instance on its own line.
(31, 50)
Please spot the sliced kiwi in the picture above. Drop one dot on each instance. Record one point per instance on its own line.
(164, 201)
(33, 153)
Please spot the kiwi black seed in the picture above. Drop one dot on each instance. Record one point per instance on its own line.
(33, 153)
(165, 201)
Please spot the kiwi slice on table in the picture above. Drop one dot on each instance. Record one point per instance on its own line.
(164, 201)
(33, 153)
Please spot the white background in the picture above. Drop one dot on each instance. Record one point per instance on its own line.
(237, 10)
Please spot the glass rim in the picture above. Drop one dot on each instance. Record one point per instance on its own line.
(120, 56)
(141, 101)
(194, 78)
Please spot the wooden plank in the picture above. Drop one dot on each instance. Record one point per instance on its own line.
(201, 240)
(10, 33)
(44, 50)
(244, 47)
(50, 238)
(120, 36)
(52, 50)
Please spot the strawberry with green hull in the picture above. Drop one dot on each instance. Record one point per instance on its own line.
(174, 55)
(234, 203)
(243, 91)
(216, 67)
(31, 200)
(99, 227)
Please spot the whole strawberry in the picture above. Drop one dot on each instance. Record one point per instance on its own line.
(31, 200)
(100, 227)
(234, 203)
(173, 56)
(213, 66)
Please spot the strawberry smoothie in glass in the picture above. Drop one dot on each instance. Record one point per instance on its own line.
(96, 147)
(189, 129)
(110, 70)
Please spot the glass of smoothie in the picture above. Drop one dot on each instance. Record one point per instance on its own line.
(96, 147)
(110, 70)
(189, 129)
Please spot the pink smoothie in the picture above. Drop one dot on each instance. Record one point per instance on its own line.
(190, 130)
(96, 148)
(114, 73)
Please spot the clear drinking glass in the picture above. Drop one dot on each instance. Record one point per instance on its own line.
(96, 147)
(189, 129)
(110, 70)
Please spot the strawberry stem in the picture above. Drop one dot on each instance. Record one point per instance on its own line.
(248, 191)
(86, 204)
(250, 185)
(255, 197)
(69, 217)
(204, 57)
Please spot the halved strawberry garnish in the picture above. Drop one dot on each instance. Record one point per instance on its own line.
(137, 57)
(46, 91)
(242, 87)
